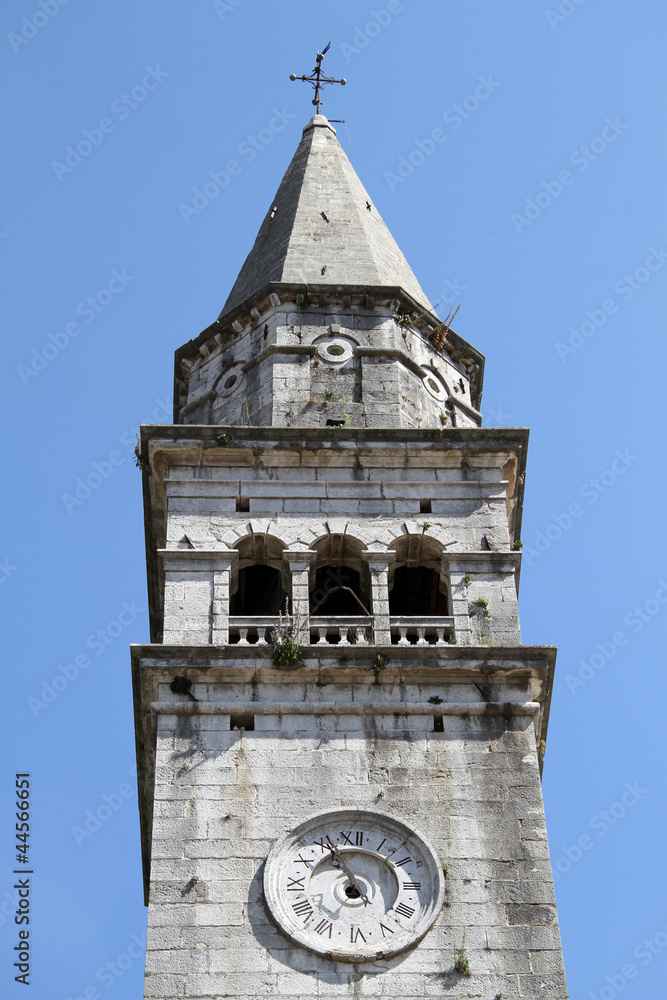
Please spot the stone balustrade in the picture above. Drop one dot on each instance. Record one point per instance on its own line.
(348, 630)
(420, 631)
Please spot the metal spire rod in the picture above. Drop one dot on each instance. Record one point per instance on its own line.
(317, 78)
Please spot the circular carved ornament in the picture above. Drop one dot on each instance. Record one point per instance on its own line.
(230, 381)
(354, 885)
(434, 386)
(335, 350)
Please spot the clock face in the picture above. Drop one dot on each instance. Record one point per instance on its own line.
(354, 885)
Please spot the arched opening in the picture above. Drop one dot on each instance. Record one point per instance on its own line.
(417, 588)
(341, 579)
(417, 591)
(259, 590)
(337, 592)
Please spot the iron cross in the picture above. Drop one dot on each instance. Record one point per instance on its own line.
(318, 79)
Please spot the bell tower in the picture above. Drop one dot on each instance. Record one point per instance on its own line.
(339, 731)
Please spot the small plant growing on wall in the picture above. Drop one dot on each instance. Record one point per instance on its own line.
(379, 664)
(462, 963)
(221, 440)
(139, 459)
(518, 544)
(482, 603)
(467, 579)
(286, 638)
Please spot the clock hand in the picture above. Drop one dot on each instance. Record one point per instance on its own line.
(336, 853)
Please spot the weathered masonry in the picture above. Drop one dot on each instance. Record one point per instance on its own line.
(364, 819)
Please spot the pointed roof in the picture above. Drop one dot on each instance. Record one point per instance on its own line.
(322, 228)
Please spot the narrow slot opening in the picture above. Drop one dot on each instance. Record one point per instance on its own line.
(425, 507)
(438, 726)
(243, 505)
(242, 720)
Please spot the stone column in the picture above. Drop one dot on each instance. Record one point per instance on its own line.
(298, 575)
(485, 606)
(379, 563)
(196, 595)
(225, 582)
(453, 570)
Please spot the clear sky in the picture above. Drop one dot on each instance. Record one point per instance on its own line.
(541, 211)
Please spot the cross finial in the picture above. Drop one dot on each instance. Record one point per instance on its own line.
(318, 79)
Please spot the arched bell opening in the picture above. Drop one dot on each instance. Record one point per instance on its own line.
(417, 588)
(342, 582)
(259, 590)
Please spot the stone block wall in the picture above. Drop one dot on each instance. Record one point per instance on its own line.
(377, 507)
(223, 797)
(304, 368)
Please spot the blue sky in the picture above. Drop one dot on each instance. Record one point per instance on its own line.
(541, 211)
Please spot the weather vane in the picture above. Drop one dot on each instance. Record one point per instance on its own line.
(318, 79)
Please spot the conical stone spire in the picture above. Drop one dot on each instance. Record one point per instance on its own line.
(323, 229)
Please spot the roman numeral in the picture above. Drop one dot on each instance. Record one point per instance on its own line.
(383, 929)
(296, 884)
(380, 845)
(304, 861)
(405, 861)
(411, 885)
(355, 934)
(358, 838)
(323, 846)
(303, 909)
(324, 926)
(405, 911)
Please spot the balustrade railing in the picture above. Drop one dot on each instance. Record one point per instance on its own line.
(418, 631)
(341, 631)
(348, 630)
(251, 630)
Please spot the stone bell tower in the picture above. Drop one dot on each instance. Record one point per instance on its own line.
(339, 731)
